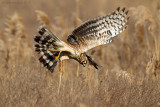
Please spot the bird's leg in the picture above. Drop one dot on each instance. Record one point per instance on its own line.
(57, 57)
(61, 73)
(61, 66)
(78, 70)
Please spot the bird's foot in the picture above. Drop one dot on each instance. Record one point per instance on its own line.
(57, 57)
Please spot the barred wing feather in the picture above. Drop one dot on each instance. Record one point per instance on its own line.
(99, 31)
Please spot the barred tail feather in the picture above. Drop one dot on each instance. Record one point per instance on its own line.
(49, 61)
(46, 40)
(47, 34)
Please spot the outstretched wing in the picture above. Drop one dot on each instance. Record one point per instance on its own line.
(99, 31)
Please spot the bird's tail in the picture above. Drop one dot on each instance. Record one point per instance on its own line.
(47, 40)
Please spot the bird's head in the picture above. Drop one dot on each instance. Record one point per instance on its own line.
(83, 59)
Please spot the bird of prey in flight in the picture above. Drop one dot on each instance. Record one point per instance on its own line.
(90, 34)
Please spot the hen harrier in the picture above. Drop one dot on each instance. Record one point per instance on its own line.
(90, 34)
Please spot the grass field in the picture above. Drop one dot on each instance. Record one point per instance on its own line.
(130, 75)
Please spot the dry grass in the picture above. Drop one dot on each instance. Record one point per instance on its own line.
(130, 75)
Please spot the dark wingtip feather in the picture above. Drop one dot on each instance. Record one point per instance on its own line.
(41, 29)
(123, 9)
(37, 45)
(37, 50)
(128, 17)
(118, 8)
(40, 32)
(126, 12)
(126, 27)
(37, 38)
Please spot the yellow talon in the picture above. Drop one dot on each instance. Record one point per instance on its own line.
(61, 66)
(58, 56)
(52, 50)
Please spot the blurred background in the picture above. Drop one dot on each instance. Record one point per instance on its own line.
(130, 70)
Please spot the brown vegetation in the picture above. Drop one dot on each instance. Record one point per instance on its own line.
(130, 75)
